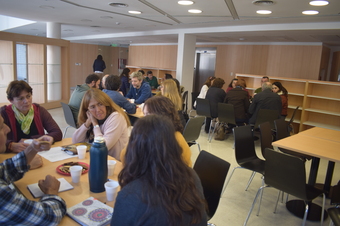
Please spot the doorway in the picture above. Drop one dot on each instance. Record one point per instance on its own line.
(205, 61)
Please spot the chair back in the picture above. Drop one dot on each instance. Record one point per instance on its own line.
(266, 137)
(203, 107)
(281, 128)
(293, 115)
(244, 144)
(192, 129)
(212, 172)
(226, 113)
(68, 115)
(185, 101)
(286, 173)
(266, 115)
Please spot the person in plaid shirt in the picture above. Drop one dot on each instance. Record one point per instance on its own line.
(15, 209)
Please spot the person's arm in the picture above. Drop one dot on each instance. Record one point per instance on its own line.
(252, 106)
(156, 83)
(186, 152)
(145, 94)
(80, 134)
(129, 94)
(129, 107)
(49, 125)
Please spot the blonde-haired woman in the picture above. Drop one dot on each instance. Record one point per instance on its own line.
(100, 116)
(169, 90)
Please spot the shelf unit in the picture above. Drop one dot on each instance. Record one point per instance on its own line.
(319, 101)
(157, 72)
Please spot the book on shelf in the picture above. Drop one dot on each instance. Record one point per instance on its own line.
(37, 193)
(91, 212)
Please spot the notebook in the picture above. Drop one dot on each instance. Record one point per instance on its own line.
(37, 193)
(91, 212)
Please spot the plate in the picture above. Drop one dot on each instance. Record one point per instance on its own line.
(69, 164)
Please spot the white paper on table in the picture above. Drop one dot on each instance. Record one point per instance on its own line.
(55, 154)
(37, 193)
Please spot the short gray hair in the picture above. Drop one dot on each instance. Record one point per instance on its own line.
(266, 85)
(137, 75)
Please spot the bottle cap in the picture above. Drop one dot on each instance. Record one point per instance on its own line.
(99, 139)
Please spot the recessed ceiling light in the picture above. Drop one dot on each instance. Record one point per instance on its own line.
(310, 12)
(263, 12)
(135, 12)
(185, 2)
(318, 3)
(86, 20)
(194, 11)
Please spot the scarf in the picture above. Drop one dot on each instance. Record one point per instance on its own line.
(24, 120)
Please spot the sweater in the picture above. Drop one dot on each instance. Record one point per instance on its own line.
(121, 101)
(152, 82)
(130, 210)
(114, 130)
(140, 95)
(42, 120)
(76, 98)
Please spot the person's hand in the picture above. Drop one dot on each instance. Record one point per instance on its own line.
(18, 147)
(50, 185)
(36, 162)
(42, 143)
(94, 121)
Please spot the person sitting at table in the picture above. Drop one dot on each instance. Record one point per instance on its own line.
(264, 100)
(152, 80)
(139, 91)
(263, 80)
(112, 84)
(15, 209)
(232, 84)
(205, 88)
(159, 105)
(27, 120)
(157, 187)
(100, 116)
(283, 93)
(124, 78)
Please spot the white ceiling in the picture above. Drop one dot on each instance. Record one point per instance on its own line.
(96, 22)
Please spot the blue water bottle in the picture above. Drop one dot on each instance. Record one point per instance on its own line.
(98, 165)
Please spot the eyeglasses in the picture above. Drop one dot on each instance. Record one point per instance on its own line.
(22, 98)
(93, 107)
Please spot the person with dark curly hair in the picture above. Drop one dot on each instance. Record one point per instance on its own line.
(124, 78)
(157, 187)
(278, 88)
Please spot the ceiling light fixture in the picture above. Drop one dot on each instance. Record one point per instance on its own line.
(135, 12)
(194, 11)
(318, 3)
(310, 12)
(121, 5)
(106, 17)
(263, 12)
(46, 7)
(185, 2)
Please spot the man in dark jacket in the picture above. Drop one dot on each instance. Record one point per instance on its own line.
(264, 100)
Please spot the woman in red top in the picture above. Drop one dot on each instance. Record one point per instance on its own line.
(280, 90)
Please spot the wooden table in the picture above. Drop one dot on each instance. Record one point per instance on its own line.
(319, 143)
(139, 113)
(72, 197)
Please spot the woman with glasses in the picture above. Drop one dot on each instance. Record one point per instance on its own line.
(27, 120)
(100, 116)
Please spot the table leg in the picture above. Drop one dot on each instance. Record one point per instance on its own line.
(313, 171)
(329, 176)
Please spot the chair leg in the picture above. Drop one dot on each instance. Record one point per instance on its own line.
(199, 147)
(323, 208)
(227, 182)
(216, 125)
(65, 131)
(250, 179)
(277, 201)
(210, 224)
(305, 215)
(258, 211)
(252, 206)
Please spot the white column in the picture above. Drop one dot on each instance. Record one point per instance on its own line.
(53, 30)
(185, 62)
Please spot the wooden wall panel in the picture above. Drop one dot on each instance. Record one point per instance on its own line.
(325, 55)
(335, 69)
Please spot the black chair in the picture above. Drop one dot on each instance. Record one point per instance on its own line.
(290, 123)
(266, 137)
(194, 96)
(287, 173)
(282, 131)
(68, 117)
(212, 172)
(245, 153)
(334, 214)
(185, 102)
(226, 114)
(266, 115)
(203, 109)
(192, 130)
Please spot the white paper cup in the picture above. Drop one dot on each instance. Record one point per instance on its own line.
(111, 164)
(28, 141)
(76, 173)
(111, 189)
(132, 101)
(81, 150)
